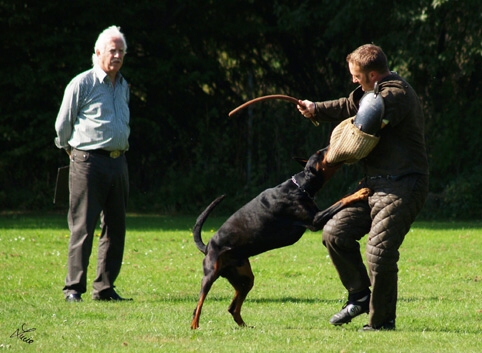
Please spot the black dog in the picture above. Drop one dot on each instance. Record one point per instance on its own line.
(275, 218)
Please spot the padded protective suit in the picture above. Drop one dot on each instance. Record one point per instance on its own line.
(397, 172)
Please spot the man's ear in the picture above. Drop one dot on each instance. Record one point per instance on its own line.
(301, 161)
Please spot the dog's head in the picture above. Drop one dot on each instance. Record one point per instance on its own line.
(317, 165)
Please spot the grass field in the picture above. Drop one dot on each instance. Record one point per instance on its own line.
(296, 292)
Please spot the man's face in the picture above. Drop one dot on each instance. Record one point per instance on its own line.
(363, 79)
(112, 57)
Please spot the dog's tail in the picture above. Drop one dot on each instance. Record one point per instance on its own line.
(199, 224)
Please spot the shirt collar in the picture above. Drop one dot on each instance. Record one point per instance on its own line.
(101, 74)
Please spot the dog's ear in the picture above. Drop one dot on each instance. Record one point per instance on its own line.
(300, 160)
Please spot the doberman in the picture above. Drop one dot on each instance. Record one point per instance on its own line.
(276, 218)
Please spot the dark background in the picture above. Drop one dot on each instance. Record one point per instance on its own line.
(189, 63)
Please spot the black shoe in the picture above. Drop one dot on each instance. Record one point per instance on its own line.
(74, 297)
(110, 296)
(387, 326)
(351, 310)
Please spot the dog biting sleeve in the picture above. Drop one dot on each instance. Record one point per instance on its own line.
(349, 144)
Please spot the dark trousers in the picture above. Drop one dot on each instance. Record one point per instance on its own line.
(99, 185)
(386, 217)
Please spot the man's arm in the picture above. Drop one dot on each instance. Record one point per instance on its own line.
(67, 116)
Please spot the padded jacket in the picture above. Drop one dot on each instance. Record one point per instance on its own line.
(401, 150)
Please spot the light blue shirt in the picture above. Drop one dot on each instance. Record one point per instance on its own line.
(94, 113)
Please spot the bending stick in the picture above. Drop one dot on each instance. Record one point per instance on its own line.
(273, 96)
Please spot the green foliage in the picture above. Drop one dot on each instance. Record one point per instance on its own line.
(462, 196)
(296, 291)
(190, 63)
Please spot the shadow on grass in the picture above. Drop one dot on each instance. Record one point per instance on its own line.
(447, 225)
(144, 222)
(266, 300)
(31, 220)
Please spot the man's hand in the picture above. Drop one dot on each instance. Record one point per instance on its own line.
(306, 108)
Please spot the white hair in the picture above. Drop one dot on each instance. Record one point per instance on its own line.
(104, 38)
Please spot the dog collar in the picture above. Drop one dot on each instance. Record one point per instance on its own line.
(293, 179)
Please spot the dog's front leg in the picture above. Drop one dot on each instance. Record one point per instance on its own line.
(322, 217)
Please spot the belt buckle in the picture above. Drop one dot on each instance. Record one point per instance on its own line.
(115, 154)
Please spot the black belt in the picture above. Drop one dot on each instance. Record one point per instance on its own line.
(111, 154)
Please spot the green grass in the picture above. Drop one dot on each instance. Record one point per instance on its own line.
(296, 292)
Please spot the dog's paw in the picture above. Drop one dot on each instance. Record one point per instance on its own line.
(364, 193)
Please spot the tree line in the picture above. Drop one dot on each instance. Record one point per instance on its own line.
(189, 63)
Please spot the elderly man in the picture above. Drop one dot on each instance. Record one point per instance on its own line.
(93, 128)
(397, 172)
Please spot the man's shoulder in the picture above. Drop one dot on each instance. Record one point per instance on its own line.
(395, 85)
(394, 81)
(86, 76)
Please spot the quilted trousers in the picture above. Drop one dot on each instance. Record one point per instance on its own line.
(386, 217)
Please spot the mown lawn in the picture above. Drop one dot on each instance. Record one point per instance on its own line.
(296, 292)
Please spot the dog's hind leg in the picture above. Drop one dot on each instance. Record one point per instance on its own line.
(242, 279)
(206, 286)
(211, 274)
